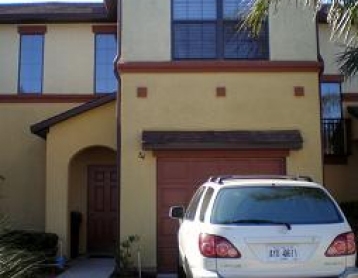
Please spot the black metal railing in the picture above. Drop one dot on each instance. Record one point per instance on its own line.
(336, 137)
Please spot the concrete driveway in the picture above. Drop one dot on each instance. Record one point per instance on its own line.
(89, 268)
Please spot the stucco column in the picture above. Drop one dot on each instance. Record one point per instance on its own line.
(57, 196)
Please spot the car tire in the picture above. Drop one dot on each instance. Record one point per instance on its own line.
(181, 271)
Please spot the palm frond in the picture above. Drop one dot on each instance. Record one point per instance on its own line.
(348, 61)
(259, 11)
(256, 15)
(342, 16)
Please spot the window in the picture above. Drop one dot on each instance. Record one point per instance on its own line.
(105, 53)
(281, 204)
(331, 100)
(208, 30)
(206, 200)
(335, 136)
(31, 63)
(193, 205)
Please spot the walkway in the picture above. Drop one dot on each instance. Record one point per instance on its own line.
(89, 268)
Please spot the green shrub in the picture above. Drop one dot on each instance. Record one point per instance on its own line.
(15, 262)
(35, 242)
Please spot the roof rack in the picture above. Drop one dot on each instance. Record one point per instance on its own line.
(221, 179)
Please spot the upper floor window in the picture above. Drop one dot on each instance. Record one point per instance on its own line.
(208, 30)
(331, 100)
(105, 53)
(31, 63)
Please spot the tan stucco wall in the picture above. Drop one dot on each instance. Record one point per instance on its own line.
(96, 127)
(78, 183)
(292, 32)
(22, 163)
(342, 180)
(68, 59)
(9, 51)
(188, 102)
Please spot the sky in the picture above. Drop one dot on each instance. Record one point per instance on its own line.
(39, 1)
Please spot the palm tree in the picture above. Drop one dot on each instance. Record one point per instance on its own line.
(342, 16)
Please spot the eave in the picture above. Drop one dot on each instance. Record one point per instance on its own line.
(42, 128)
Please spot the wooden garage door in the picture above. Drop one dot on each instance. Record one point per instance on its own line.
(179, 177)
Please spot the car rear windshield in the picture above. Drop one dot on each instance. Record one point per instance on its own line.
(276, 204)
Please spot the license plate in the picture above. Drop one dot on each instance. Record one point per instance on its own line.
(282, 253)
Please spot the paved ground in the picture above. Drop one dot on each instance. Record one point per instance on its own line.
(89, 268)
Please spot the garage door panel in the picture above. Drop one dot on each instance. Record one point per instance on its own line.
(167, 226)
(173, 170)
(233, 166)
(268, 166)
(177, 180)
(168, 256)
(172, 196)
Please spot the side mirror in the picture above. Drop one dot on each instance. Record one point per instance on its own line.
(176, 212)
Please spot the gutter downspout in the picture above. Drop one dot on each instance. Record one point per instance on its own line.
(321, 61)
(118, 118)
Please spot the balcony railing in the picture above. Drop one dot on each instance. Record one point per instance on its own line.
(336, 134)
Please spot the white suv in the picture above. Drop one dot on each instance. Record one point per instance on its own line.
(255, 227)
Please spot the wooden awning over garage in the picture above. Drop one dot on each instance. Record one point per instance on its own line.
(221, 140)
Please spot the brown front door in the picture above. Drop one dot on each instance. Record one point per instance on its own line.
(178, 177)
(102, 209)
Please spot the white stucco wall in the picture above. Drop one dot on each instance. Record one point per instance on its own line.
(9, 49)
(292, 31)
(146, 28)
(330, 50)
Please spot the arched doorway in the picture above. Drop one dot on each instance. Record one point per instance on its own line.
(93, 195)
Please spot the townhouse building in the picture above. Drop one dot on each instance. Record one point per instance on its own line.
(191, 97)
(56, 63)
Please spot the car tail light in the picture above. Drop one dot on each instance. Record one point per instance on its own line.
(342, 245)
(213, 246)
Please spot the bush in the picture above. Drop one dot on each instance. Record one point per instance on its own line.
(30, 241)
(14, 260)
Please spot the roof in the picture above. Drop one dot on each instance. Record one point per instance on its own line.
(58, 12)
(42, 128)
(203, 140)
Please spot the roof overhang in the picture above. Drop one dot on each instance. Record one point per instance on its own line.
(42, 128)
(54, 12)
(222, 140)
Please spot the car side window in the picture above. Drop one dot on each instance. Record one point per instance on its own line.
(206, 199)
(193, 205)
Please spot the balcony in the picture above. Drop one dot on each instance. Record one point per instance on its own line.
(336, 140)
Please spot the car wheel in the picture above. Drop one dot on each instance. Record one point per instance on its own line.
(181, 272)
